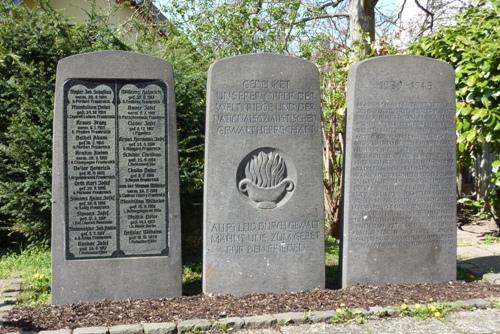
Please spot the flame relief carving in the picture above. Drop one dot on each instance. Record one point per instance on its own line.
(266, 181)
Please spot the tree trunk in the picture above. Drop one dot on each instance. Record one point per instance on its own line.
(362, 19)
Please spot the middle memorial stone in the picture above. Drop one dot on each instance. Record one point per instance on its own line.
(263, 203)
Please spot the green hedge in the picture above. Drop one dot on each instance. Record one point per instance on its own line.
(32, 41)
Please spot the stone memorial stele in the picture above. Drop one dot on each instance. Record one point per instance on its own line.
(263, 204)
(399, 205)
(115, 211)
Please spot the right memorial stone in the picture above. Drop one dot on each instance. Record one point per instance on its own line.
(399, 200)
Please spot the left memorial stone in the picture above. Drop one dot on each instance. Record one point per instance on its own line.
(115, 210)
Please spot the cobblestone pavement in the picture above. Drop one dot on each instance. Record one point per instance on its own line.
(463, 322)
(9, 289)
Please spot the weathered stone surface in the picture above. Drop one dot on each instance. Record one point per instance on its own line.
(57, 331)
(289, 318)
(322, 316)
(231, 323)
(263, 205)
(10, 295)
(259, 321)
(6, 306)
(493, 278)
(91, 330)
(160, 328)
(115, 184)
(193, 325)
(469, 303)
(406, 325)
(399, 210)
(259, 331)
(382, 311)
(477, 322)
(126, 329)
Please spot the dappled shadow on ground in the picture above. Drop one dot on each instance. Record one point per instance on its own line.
(464, 216)
(25, 325)
(494, 233)
(482, 265)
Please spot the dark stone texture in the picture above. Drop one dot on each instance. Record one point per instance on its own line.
(115, 223)
(399, 211)
(263, 205)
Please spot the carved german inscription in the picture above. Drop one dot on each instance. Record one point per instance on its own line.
(399, 198)
(263, 219)
(116, 149)
(265, 107)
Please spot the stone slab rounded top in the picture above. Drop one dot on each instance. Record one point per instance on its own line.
(116, 64)
(402, 78)
(263, 199)
(399, 202)
(397, 60)
(257, 59)
(115, 159)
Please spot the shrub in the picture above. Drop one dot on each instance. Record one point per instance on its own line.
(31, 44)
(472, 46)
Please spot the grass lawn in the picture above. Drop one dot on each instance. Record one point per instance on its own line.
(33, 265)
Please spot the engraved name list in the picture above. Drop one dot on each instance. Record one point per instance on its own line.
(115, 164)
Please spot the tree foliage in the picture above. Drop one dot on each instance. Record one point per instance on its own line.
(472, 46)
(31, 44)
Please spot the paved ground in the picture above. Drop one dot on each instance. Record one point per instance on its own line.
(477, 322)
(9, 289)
(474, 252)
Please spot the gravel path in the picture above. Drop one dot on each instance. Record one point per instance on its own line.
(477, 322)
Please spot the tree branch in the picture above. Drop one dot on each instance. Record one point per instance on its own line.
(289, 33)
(258, 7)
(319, 17)
(428, 13)
(400, 13)
(333, 4)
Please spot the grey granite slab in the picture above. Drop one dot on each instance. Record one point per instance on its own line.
(322, 316)
(193, 326)
(115, 210)
(231, 323)
(91, 330)
(259, 321)
(399, 204)
(57, 331)
(289, 318)
(160, 328)
(126, 329)
(263, 191)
